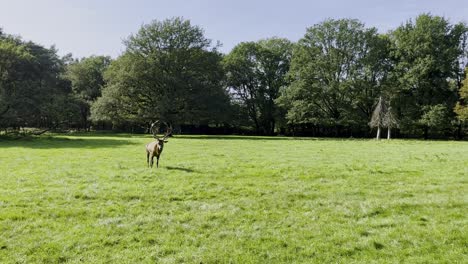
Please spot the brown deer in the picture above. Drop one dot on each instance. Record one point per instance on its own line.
(155, 148)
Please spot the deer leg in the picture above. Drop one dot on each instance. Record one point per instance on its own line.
(157, 162)
(147, 158)
(151, 161)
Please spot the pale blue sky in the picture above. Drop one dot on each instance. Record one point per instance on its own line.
(87, 27)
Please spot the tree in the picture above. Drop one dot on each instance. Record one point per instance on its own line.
(435, 117)
(87, 79)
(33, 92)
(378, 116)
(336, 71)
(169, 71)
(383, 116)
(462, 105)
(426, 53)
(255, 73)
(12, 56)
(390, 121)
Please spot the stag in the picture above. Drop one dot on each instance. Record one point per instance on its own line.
(155, 148)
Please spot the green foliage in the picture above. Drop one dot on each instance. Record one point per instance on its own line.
(229, 200)
(435, 116)
(255, 73)
(33, 91)
(87, 80)
(462, 106)
(328, 82)
(337, 70)
(462, 112)
(426, 54)
(167, 72)
(12, 56)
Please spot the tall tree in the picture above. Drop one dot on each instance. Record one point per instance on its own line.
(255, 73)
(87, 79)
(169, 71)
(462, 106)
(337, 70)
(33, 91)
(12, 56)
(426, 54)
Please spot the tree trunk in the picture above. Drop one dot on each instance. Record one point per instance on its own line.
(459, 131)
(389, 133)
(272, 131)
(257, 126)
(378, 133)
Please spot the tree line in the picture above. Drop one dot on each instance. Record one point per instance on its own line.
(329, 83)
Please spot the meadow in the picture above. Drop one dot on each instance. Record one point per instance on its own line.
(229, 199)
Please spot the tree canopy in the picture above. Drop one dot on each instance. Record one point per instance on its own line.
(462, 105)
(327, 84)
(337, 72)
(255, 73)
(426, 55)
(169, 71)
(87, 81)
(33, 90)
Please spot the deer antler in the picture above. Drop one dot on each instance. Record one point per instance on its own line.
(168, 131)
(154, 129)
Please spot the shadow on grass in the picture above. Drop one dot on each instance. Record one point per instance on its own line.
(104, 134)
(180, 169)
(260, 138)
(223, 137)
(50, 142)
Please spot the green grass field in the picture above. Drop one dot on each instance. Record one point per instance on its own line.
(91, 199)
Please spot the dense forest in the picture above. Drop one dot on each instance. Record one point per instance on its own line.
(340, 79)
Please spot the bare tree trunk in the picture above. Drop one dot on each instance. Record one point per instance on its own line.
(378, 133)
(389, 132)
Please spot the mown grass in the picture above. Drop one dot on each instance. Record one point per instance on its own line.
(91, 199)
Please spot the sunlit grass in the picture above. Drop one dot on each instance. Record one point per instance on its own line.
(92, 199)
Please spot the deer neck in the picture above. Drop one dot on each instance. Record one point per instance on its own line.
(159, 146)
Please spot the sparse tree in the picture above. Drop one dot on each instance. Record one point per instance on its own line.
(378, 119)
(390, 121)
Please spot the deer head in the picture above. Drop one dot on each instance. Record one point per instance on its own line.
(155, 129)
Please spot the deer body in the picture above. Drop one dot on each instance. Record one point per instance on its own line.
(155, 148)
